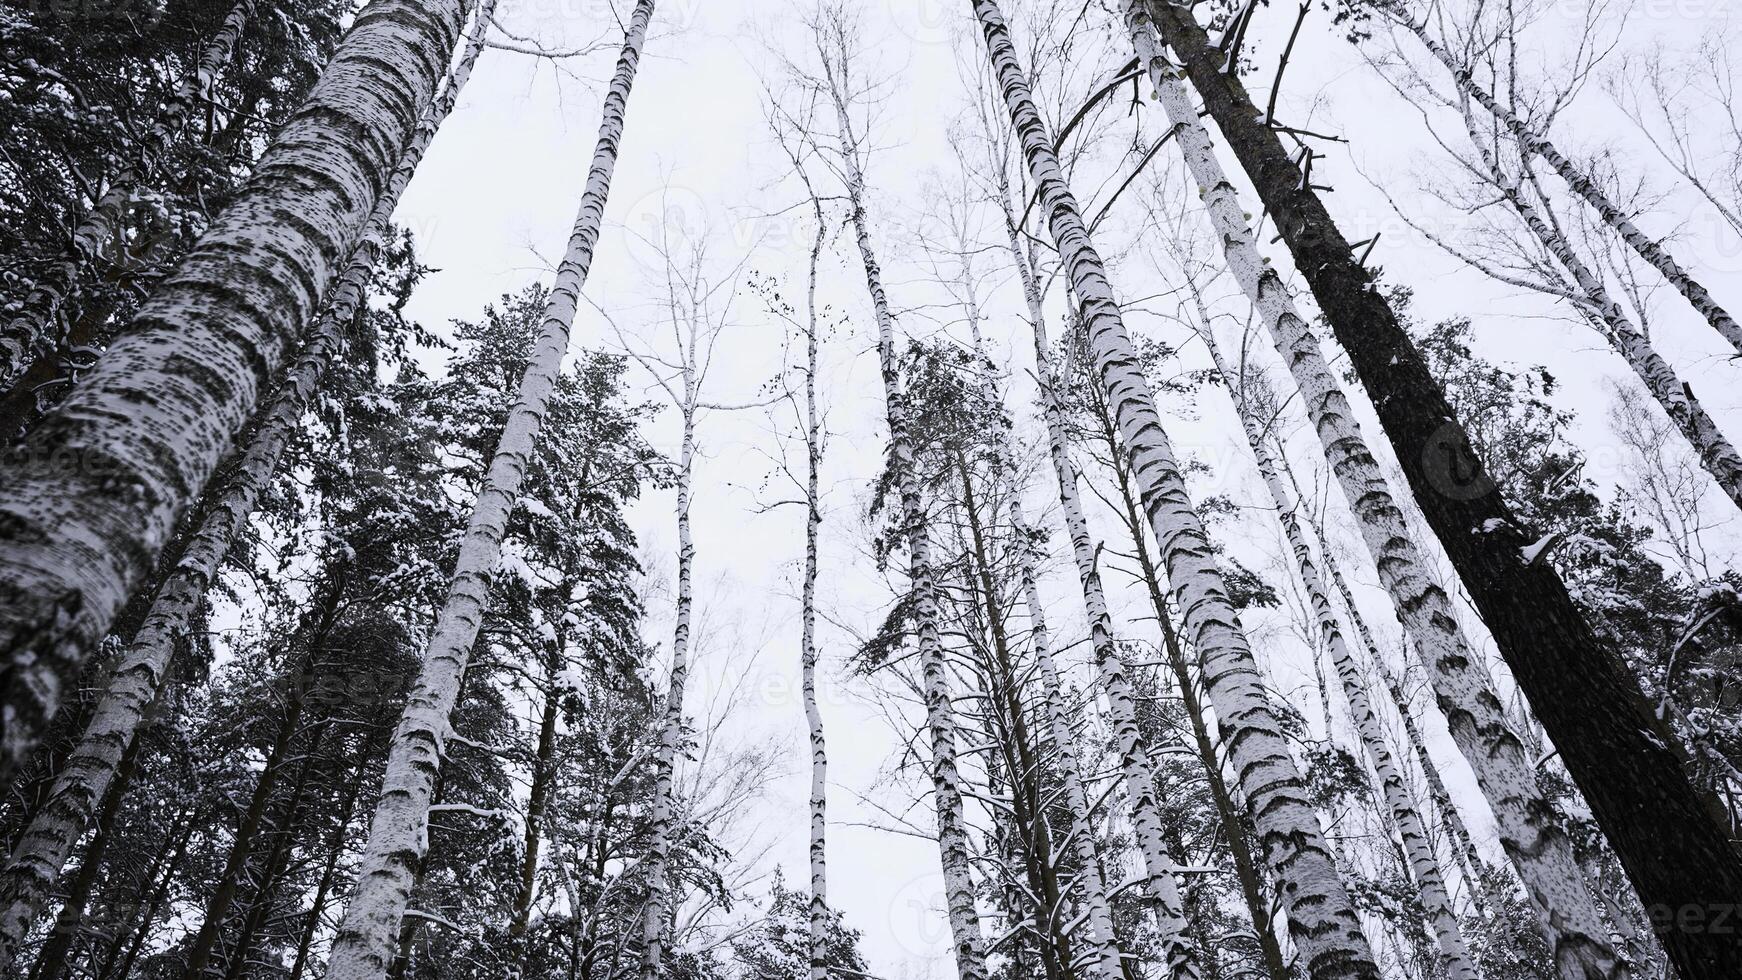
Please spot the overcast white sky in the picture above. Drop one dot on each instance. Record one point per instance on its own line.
(493, 203)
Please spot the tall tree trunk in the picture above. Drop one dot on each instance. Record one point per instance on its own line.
(1675, 397)
(1160, 882)
(1533, 143)
(33, 333)
(363, 946)
(1672, 844)
(1322, 920)
(659, 906)
(952, 830)
(35, 864)
(284, 834)
(170, 861)
(1424, 867)
(163, 405)
(543, 782)
(813, 443)
(1528, 830)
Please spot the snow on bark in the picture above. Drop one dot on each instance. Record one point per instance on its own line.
(37, 860)
(1097, 914)
(33, 332)
(954, 851)
(655, 912)
(90, 496)
(1715, 451)
(363, 946)
(1534, 143)
(1160, 881)
(1322, 920)
(1536, 845)
(1430, 885)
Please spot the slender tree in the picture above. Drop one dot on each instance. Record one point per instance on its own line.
(1667, 837)
(1322, 920)
(398, 837)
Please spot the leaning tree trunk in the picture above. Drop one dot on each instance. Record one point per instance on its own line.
(1506, 773)
(91, 494)
(1675, 397)
(1673, 846)
(398, 836)
(658, 909)
(1533, 143)
(35, 864)
(1322, 919)
(33, 331)
(952, 830)
(1430, 885)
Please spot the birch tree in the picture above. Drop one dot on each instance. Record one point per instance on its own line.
(133, 684)
(398, 831)
(145, 431)
(1322, 921)
(832, 30)
(1532, 839)
(1638, 788)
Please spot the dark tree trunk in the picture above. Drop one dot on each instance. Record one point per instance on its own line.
(1687, 871)
(148, 914)
(329, 871)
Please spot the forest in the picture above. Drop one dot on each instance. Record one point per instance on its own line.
(817, 490)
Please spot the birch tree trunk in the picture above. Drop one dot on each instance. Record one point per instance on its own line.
(1533, 143)
(1675, 397)
(659, 906)
(91, 494)
(953, 848)
(813, 444)
(1505, 772)
(1455, 959)
(35, 865)
(33, 332)
(1322, 920)
(363, 947)
(1673, 846)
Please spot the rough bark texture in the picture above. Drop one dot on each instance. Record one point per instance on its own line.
(1534, 143)
(1430, 885)
(363, 947)
(35, 864)
(1504, 770)
(952, 831)
(1672, 845)
(90, 495)
(34, 333)
(1322, 920)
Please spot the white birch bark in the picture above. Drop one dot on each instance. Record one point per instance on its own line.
(1097, 913)
(90, 496)
(658, 909)
(1424, 866)
(1675, 397)
(32, 333)
(1322, 919)
(1534, 143)
(364, 944)
(813, 443)
(952, 830)
(35, 865)
(1537, 847)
